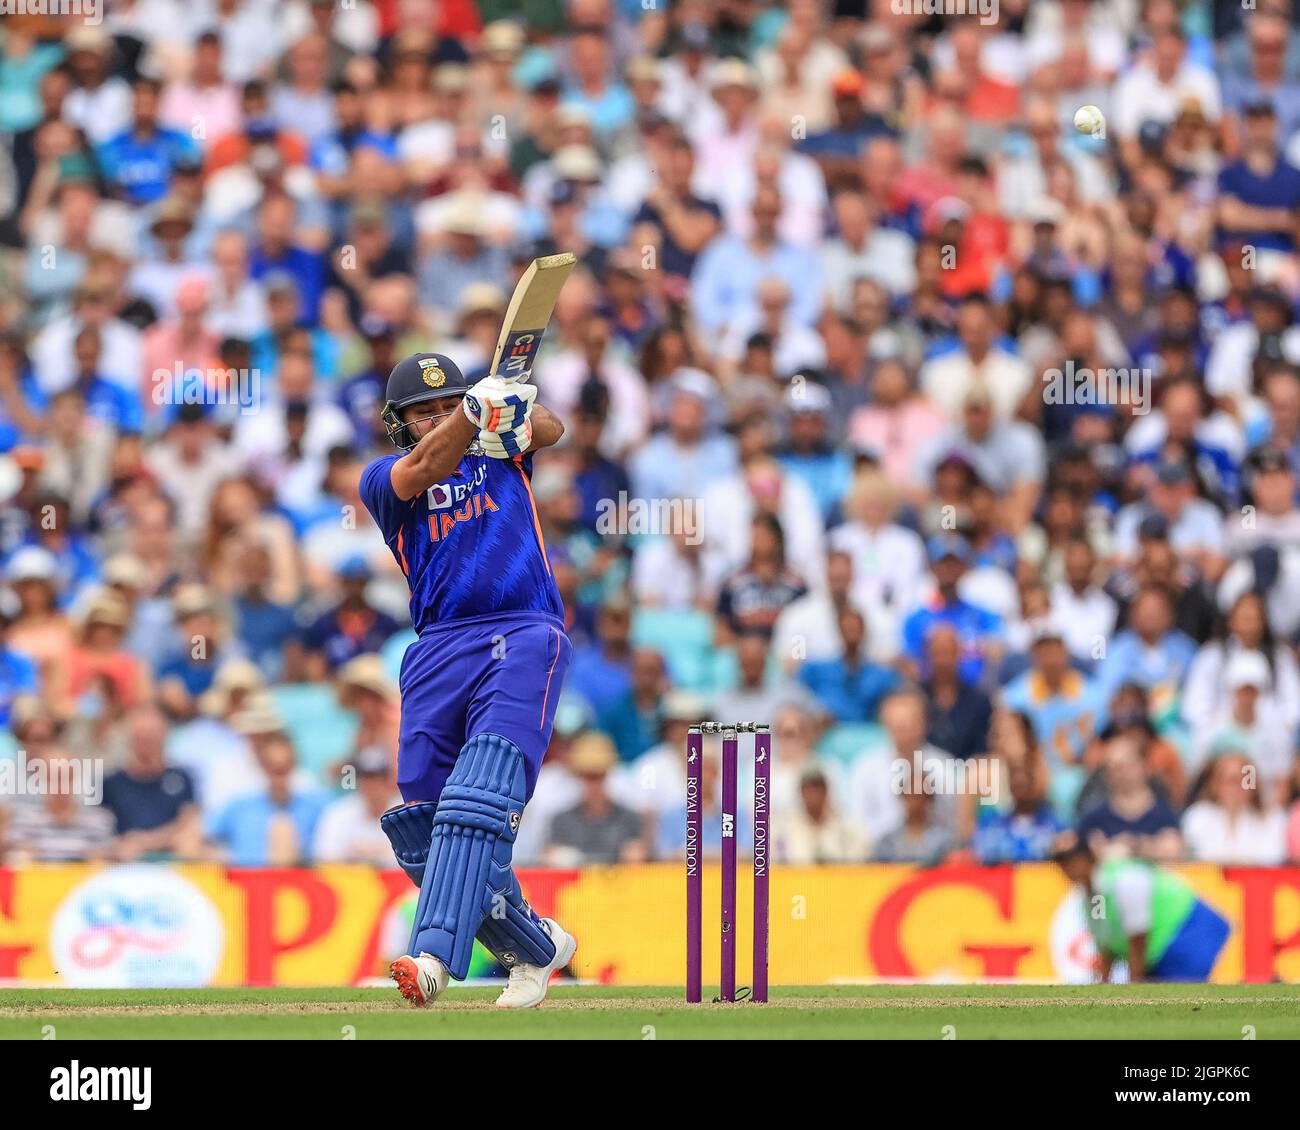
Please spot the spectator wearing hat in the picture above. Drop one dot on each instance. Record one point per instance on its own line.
(216, 747)
(153, 803)
(168, 262)
(1251, 721)
(365, 688)
(809, 453)
(1195, 528)
(597, 829)
(1231, 823)
(99, 677)
(1245, 628)
(38, 629)
(466, 258)
(348, 830)
(202, 644)
(1067, 709)
(275, 825)
(1275, 516)
(977, 628)
(99, 102)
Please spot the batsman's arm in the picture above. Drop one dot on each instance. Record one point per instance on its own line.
(434, 457)
(547, 427)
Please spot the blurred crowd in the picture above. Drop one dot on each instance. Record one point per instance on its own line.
(833, 461)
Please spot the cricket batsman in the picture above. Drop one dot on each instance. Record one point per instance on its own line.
(479, 686)
(1143, 914)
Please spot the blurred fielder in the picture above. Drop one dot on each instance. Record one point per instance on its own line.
(1143, 915)
(479, 686)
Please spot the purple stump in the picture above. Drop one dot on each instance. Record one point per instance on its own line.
(730, 747)
(694, 863)
(762, 775)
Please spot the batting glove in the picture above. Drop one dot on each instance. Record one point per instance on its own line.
(494, 405)
(508, 444)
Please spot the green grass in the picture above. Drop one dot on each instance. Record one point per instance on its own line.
(921, 1012)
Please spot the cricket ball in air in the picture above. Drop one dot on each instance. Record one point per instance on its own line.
(1088, 119)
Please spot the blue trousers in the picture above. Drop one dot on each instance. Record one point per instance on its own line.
(1195, 948)
(498, 675)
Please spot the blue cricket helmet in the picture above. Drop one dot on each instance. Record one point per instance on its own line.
(422, 376)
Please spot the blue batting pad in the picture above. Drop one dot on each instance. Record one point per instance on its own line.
(409, 828)
(468, 874)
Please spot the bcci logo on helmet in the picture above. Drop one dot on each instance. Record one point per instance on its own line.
(432, 372)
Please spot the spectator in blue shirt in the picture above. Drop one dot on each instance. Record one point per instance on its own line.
(104, 399)
(977, 628)
(1258, 194)
(18, 673)
(139, 161)
(276, 253)
(274, 826)
(601, 672)
(1024, 833)
(1150, 652)
(727, 274)
(850, 687)
(152, 803)
(608, 104)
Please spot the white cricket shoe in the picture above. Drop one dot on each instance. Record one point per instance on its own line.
(419, 979)
(528, 983)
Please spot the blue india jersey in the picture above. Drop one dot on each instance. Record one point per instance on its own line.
(470, 546)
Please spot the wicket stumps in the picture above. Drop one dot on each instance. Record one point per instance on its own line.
(695, 858)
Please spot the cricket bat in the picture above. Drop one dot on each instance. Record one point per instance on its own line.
(528, 314)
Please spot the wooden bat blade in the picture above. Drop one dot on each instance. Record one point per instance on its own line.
(529, 313)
